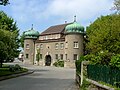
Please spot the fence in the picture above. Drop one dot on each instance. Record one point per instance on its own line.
(104, 73)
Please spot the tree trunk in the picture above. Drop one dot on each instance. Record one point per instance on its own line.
(0, 63)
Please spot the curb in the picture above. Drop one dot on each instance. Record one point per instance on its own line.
(15, 75)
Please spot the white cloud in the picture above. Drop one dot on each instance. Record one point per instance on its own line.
(81, 8)
(25, 11)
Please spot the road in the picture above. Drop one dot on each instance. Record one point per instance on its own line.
(43, 78)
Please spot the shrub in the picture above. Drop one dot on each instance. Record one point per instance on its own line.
(93, 59)
(102, 57)
(115, 61)
(12, 68)
(105, 57)
(59, 63)
(17, 67)
(78, 63)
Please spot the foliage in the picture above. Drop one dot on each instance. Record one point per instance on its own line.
(11, 69)
(104, 73)
(102, 58)
(59, 63)
(117, 6)
(4, 2)
(22, 37)
(78, 63)
(104, 34)
(38, 55)
(14, 68)
(6, 43)
(9, 41)
(85, 85)
(115, 61)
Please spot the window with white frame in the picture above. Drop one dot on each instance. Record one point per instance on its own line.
(56, 36)
(37, 46)
(27, 46)
(56, 46)
(76, 45)
(75, 57)
(41, 46)
(46, 37)
(66, 44)
(61, 46)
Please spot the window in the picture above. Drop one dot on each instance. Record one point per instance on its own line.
(75, 44)
(75, 57)
(40, 56)
(46, 37)
(41, 46)
(56, 56)
(56, 36)
(27, 55)
(61, 56)
(66, 45)
(37, 46)
(27, 46)
(56, 46)
(66, 56)
(61, 45)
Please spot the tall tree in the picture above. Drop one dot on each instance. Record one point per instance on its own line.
(22, 37)
(117, 6)
(9, 33)
(6, 45)
(104, 34)
(4, 2)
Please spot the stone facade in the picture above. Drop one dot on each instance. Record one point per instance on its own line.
(53, 46)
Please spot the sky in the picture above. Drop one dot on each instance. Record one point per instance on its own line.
(45, 13)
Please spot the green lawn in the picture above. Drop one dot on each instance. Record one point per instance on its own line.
(5, 70)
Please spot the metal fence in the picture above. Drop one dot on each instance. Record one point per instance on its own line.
(104, 74)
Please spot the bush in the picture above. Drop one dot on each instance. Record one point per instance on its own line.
(102, 58)
(78, 63)
(59, 63)
(14, 68)
(115, 61)
(105, 57)
(78, 66)
(17, 67)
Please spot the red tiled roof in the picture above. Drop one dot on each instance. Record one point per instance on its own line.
(55, 29)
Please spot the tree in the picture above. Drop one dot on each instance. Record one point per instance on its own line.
(22, 37)
(38, 56)
(6, 41)
(4, 2)
(117, 5)
(104, 35)
(9, 37)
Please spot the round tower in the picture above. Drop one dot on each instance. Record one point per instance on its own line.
(29, 45)
(73, 43)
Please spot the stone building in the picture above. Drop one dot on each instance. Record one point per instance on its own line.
(59, 42)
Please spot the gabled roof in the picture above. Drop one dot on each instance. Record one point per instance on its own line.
(55, 29)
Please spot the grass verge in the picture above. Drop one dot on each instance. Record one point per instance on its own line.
(5, 70)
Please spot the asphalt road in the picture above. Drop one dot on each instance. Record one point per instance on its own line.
(44, 78)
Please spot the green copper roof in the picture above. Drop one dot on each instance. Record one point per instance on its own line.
(31, 33)
(74, 27)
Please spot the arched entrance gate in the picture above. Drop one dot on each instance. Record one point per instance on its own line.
(47, 60)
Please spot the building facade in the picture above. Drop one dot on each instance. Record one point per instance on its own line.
(59, 42)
